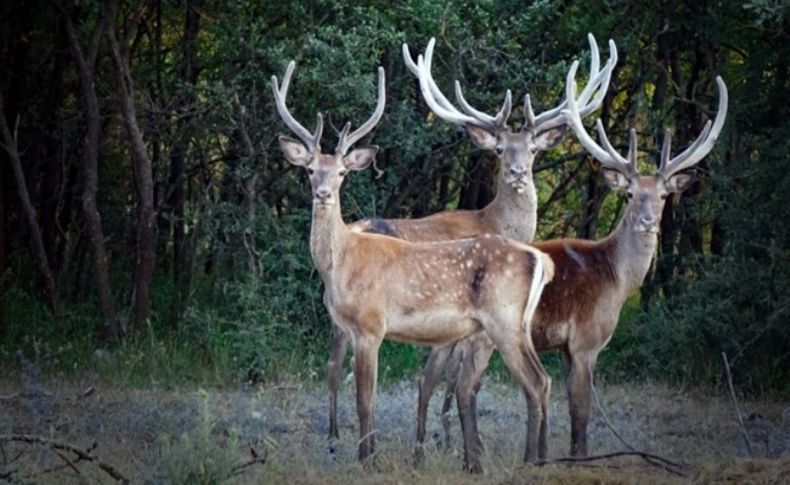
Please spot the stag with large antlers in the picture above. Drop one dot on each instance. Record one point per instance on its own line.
(579, 309)
(512, 213)
(377, 287)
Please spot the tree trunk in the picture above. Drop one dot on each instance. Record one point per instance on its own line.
(52, 172)
(10, 146)
(146, 243)
(112, 331)
(249, 189)
(593, 194)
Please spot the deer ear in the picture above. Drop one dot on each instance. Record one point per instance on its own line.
(482, 138)
(360, 158)
(294, 151)
(680, 182)
(548, 139)
(615, 180)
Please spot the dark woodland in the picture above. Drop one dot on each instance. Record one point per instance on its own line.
(153, 236)
(146, 207)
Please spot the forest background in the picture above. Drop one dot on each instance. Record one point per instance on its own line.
(152, 232)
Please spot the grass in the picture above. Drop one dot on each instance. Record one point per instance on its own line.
(199, 436)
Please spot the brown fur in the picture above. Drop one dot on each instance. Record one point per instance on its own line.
(584, 270)
(378, 287)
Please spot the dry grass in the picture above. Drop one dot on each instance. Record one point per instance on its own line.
(130, 429)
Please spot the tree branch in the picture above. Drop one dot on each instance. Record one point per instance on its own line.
(59, 445)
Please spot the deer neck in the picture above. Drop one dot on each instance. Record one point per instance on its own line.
(632, 254)
(514, 214)
(328, 234)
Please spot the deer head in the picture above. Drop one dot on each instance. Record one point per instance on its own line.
(515, 149)
(326, 171)
(646, 193)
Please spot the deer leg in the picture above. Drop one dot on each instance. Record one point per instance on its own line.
(430, 374)
(539, 374)
(534, 382)
(578, 387)
(334, 368)
(366, 353)
(451, 376)
(475, 361)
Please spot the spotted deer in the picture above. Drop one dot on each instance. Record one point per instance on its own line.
(378, 287)
(512, 213)
(579, 309)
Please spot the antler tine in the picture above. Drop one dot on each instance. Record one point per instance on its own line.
(529, 114)
(500, 120)
(666, 148)
(437, 94)
(628, 163)
(601, 83)
(341, 137)
(597, 84)
(704, 143)
(608, 157)
(447, 113)
(312, 141)
(631, 147)
(347, 140)
(407, 59)
(442, 107)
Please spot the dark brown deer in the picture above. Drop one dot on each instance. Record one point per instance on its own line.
(512, 213)
(579, 309)
(378, 287)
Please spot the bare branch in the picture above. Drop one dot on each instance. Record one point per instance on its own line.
(59, 445)
(735, 405)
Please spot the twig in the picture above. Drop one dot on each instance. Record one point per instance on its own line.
(59, 445)
(671, 467)
(8, 397)
(254, 461)
(661, 462)
(71, 465)
(735, 405)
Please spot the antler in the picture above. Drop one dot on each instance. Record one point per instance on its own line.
(607, 156)
(701, 146)
(597, 84)
(311, 141)
(345, 141)
(442, 107)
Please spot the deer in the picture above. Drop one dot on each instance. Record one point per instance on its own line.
(513, 211)
(579, 310)
(430, 293)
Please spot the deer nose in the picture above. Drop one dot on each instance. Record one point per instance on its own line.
(648, 220)
(517, 171)
(323, 193)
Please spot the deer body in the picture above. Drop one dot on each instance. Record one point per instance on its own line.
(512, 213)
(580, 308)
(378, 287)
(450, 285)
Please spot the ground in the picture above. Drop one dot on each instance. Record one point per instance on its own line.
(189, 435)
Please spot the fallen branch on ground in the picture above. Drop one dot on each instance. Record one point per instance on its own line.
(659, 461)
(668, 465)
(59, 445)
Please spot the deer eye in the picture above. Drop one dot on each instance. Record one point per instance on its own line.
(629, 194)
(310, 171)
(664, 195)
(342, 173)
(499, 150)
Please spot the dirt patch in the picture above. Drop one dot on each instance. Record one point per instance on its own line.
(150, 435)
